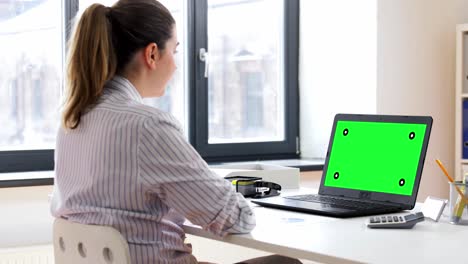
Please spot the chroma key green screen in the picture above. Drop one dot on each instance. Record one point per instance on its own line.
(375, 156)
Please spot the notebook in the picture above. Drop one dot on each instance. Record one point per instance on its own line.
(373, 165)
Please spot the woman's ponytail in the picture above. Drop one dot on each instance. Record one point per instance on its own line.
(91, 62)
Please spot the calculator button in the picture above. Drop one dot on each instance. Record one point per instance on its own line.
(395, 219)
(401, 219)
(389, 219)
(384, 219)
(374, 220)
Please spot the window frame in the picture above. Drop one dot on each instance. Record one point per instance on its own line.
(43, 159)
(40, 159)
(286, 149)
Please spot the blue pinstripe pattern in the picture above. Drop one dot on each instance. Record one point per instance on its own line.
(129, 166)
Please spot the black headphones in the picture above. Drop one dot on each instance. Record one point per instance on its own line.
(266, 189)
(254, 187)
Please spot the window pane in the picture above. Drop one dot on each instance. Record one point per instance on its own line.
(30, 73)
(174, 100)
(245, 72)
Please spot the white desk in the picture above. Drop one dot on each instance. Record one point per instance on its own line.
(305, 236)
(334, 240)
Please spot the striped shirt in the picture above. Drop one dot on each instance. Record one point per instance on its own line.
(128, 166)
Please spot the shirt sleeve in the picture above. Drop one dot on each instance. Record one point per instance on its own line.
(172, 168)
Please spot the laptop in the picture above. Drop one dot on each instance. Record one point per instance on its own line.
(373, 165)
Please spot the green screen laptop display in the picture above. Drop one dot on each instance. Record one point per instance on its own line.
(375, 156)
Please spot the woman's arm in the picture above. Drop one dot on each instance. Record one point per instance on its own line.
(183, 180)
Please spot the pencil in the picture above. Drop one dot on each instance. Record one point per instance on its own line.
(451, 180)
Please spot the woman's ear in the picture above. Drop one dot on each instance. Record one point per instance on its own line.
(151, 55)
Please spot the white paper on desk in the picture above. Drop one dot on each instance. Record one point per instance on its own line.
(267, 215)
(433, 207)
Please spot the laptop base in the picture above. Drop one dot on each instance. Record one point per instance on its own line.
(321, 208)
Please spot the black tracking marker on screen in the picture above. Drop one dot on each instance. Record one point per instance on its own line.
(402, 182)
(336, 175)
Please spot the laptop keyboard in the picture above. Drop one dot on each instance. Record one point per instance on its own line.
(340, 202)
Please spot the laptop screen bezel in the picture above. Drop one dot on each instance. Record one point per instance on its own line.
(405, 201)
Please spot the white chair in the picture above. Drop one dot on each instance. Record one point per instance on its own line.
(77, 243)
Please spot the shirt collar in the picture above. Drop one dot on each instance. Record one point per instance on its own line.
(124, 87)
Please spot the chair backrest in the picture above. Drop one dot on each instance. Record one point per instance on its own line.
(78, 243)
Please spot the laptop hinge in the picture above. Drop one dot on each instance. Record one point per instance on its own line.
(399, 205)
(402, 206)
(389, 203)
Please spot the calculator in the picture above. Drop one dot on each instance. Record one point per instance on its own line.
(395, 221)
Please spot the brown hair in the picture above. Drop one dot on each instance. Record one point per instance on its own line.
(103, 43)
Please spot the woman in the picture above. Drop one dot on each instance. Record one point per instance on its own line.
(127, 165)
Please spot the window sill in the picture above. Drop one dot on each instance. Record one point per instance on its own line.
(301, 164)
(39, 178)
(29, 178)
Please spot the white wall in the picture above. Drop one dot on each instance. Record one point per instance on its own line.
(26, 218)
(415, 74)
(338, 57)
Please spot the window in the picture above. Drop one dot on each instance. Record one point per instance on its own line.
(245, 108)
(246, 84)
(246, 58)
(31, 51)
(30, 77)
